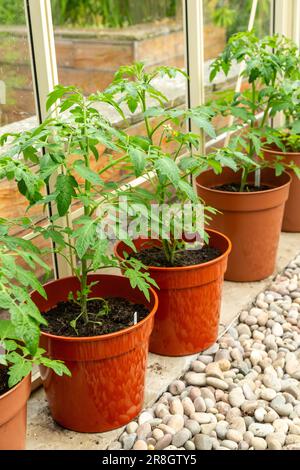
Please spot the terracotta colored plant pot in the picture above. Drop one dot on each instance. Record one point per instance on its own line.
(13, 415)
(187, 318)
(291, 217)
(106, 389)
(252, 221)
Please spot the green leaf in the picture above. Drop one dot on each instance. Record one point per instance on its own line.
(84, 236)
(87, 174)
(57, 366)
(7, 330)
(138, 158)
(167, 168)
(26, 328)
(18, 371)
(64, 188)
(188, 189)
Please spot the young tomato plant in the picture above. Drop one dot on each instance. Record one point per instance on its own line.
(62, 149)
(268, 64)
(167, 155)
(19, 335)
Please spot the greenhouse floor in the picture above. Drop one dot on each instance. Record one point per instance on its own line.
(43, 433)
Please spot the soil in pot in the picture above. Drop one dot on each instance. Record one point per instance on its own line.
(106, 389)
(154, 256)
(235, 188)
(120, 314)
(3, 380)
(189, 295)
(251, 220)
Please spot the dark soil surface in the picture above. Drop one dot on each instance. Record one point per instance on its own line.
(120, 316)
(235, 188)
(3, 380)
(154, 256)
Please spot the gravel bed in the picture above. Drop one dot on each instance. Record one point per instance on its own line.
(243, 392)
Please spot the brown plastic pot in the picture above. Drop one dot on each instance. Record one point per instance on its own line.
(106, 389)
(291, 217)
(13, 414)
(252, 221)
(187, 318)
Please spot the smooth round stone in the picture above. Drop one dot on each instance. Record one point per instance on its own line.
(132, 427)
(217, 383)
(294, 429)
(258, 335)
(161, 410)
(234, 435)
(271, 416)
(177, 387)
(262, 318)
(243, 445)
(281, 425)
(213, 370)
(176, 422)
(205, 358)
(279, 436)
(207, 393)
(195, 378)
(164, 442)
(209, 403)
(258, 443)
(248, 393)
(283, 409)
(143, 431)
(189, 445)
(271, 381)
(128, 441)
(194, 393)
(224, 365)
(233, 332)
(193, 426)
(274, 444)
(188, 406)
(180, 438)
(145, 417)
(221, 429)
(236, 355)
(238, 424)
(251, 320)
(260, 414)
(157, 434)
(277, 330)
(236, 397)
(176, 407)
(232, 414)
(207, 429)
(244, 329)
(198, 366)
(249, 406)
(171, 448)
(140, 445)
(222, 354)
(248, 436)
(199, 404)
(267, 394)
(231, 445)
(292, 439)
(261, 429)
(201, 418)
(203, 442)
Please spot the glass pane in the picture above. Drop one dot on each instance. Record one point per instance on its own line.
(16, 89)
(93, 38)
(222, 19)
